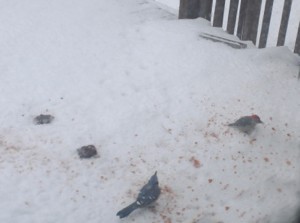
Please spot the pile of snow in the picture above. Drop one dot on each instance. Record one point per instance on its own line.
(150, 94)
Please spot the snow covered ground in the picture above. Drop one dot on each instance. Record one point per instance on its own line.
(150, 94)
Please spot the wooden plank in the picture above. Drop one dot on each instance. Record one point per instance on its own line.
(242, 17)
(284, 22)
(205, 9)
(233, 8)
(250, 26)
(219, 13)
(266, 24)
(297, 45)
(189, 9)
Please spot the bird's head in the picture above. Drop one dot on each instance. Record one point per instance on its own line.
(153, 180)
(256, 118)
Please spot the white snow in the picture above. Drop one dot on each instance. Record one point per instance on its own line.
(150, 94)
(173, 4)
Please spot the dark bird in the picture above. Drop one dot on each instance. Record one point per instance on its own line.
(147, 195)
(246, 124)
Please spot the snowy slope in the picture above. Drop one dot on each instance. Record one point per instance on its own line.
(150, 94)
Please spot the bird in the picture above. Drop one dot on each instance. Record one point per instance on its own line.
(246, 124)
(147, 195)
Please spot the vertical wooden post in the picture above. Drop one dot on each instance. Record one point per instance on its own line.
(297, 45)
(232, 16)
(266, 24)
(205, 9)
(189, 9)
(284, 22)
(250, 28)
(219, 13)
(242, 16)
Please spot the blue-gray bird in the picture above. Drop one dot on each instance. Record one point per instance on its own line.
(147, 195)
(246, 124)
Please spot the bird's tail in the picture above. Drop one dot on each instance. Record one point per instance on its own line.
(231, 124)
(126, 211)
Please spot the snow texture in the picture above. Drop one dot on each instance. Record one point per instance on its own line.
(151, 95)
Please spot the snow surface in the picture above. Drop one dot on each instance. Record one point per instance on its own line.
(171, 4)
(150, 94)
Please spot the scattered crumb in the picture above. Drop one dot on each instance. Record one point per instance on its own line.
(226, 186)
(214, 135)
(227, 208)
(288, 162)
(166, 219)
(279, 190)
(167, 189)
(210, 180)
(240, 193)
(266, 159)
(196, 162)
(103, 178)
(242, 215)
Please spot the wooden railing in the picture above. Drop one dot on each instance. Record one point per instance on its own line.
(245, 14)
